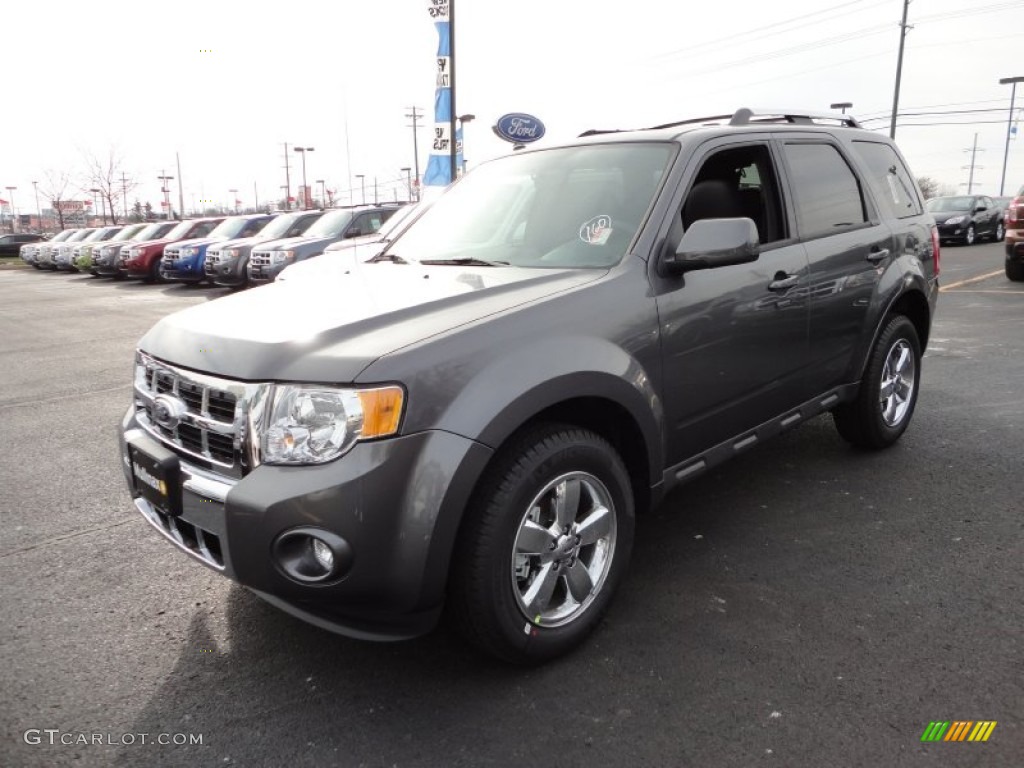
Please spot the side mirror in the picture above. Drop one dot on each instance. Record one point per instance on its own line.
(353, 233)
(980, 208)
(712, 243)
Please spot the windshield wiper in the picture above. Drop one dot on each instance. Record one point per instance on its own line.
(468, 262)
(394, 257)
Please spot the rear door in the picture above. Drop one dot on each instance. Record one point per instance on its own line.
(848, 247)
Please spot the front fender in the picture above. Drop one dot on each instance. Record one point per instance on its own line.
(533, 377)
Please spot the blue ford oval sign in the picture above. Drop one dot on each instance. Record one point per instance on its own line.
(519, 128)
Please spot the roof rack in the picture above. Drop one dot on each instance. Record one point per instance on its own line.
(746, 116)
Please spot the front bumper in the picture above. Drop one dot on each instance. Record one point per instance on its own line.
(228, 272)
(396, 502)
(954, 233)
(183, 273)
(1014, 245)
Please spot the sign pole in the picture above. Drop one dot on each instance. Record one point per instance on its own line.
(451, 68)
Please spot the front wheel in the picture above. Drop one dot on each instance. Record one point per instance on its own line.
(969, 237)
(888, 390)
(545, 543)
(1015, 270)
(1000, 232)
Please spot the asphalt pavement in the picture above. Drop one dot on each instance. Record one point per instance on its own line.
(803, 605)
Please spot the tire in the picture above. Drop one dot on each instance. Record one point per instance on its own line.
(498, 580)
(1015, 271)
(154, 273)
(888, 390)
(969, 237)
(999, 233)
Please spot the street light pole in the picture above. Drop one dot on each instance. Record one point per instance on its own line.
(39, 211)
(98, 192)
(463, 119)
(1009, 125)
(362, 181)
(305, 189)
(234, 193)
(164, 178)
(14, 216)
(323, 193)
(843, 105)
(408, 182)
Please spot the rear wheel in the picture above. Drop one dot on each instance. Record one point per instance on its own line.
(1015, 270)
(545, 543)
(888, 391)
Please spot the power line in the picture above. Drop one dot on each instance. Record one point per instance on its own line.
(762, 32)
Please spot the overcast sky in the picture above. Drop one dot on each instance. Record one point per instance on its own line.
(225, 83)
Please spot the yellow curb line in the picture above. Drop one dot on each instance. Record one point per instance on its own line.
(970, 280)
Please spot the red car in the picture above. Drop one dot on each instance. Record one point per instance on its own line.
(1015, 237)
(143, 260)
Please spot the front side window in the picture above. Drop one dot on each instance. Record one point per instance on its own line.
(827, 192)
(738, 182)
(557, 208)
(892, 183)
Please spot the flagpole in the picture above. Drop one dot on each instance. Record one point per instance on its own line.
(451, 69)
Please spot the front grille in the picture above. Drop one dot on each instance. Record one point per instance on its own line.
(200, 542)
(213, 424)
(260, 260)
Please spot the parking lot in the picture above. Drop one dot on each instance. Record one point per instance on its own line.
(804, 605)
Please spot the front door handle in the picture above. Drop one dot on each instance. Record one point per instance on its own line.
(878, 254)
(782, 281)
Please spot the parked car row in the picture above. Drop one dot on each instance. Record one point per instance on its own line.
(230, 251)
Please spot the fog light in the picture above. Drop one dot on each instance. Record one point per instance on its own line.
(323, 554)
(312, 556)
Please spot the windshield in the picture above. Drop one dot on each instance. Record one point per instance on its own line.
(125, 233)
(80, 235)
(150, 232)
(569, 207)
(61, 236)
(945, 204)
(229, 229)
(180, 230)
(396, 222)
(331, 224)
(280, 226)
(101, 234)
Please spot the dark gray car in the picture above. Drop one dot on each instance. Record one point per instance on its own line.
(227, 263)
(473, 417)
(268, 259)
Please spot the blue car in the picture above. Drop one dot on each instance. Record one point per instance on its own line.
(185, 261)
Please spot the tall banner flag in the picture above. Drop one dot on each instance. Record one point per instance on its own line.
(439, 169)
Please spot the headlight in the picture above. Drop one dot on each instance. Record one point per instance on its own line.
(956, 220)
(284, 257)
(229, 253)
(313, 425)
(188, 253)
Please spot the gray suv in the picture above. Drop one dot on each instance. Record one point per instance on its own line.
(227, 263)
(472, 418)
(269, 259)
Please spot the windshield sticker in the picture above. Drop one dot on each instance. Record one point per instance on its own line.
(597, 230)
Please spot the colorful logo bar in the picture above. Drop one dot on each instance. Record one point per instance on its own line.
(958, 730)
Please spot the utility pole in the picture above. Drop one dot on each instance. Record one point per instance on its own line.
(256, 194)
(451, 87)
(1009, 125)
(287, 181)
(974, 151)
(124, 195)
(899, 70)
(181, 196)
(415, 116)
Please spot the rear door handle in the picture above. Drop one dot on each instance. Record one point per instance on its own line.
(783, 281)
(878, 254)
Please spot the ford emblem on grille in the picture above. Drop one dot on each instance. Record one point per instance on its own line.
(168, 410)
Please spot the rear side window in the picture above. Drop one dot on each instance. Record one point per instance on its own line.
(893, 184)
(827, 192)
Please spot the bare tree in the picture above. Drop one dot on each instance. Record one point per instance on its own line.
(55, 189)
(929, 187)
(107, 174)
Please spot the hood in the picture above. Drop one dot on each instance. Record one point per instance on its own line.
(281, 242)
(197, 241)
(353, 242)
(942, 216)
(330, 327)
